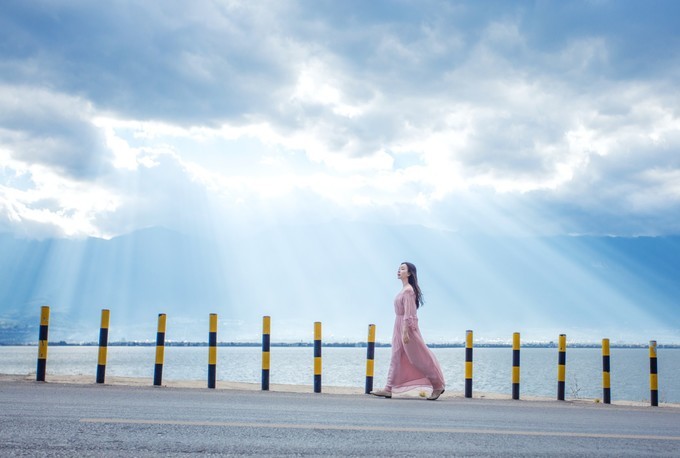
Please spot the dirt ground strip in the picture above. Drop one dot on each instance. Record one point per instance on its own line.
(226, 385)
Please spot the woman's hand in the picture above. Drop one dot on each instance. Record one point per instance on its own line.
(405, 338)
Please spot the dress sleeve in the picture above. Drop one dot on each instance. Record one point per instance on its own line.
(410, 314)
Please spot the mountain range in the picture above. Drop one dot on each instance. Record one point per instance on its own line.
(627, 289)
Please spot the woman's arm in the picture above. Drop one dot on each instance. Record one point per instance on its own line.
(410, 317)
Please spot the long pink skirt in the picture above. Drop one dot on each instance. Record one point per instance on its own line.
(413, 365)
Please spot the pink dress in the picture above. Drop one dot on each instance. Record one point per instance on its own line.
(413, 365)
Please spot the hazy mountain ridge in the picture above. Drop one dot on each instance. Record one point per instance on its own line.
(341, 274)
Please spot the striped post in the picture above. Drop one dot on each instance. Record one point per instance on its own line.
(606, 381)
(266, 344)
(103, 346)
(468, 364)
(212, 351)
(160, 350)
(515, 365)
(370, 358)
(653, 375)
(561, 366)
(42, 343)
(317, 357)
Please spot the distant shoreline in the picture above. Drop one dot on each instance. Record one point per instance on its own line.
(327, 344)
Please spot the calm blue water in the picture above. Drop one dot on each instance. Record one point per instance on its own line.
(346, 367)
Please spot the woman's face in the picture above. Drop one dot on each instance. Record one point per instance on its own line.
(402, 273)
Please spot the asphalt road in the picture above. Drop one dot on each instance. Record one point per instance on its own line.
(46, 419)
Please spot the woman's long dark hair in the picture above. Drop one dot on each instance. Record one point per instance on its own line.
(413, 281)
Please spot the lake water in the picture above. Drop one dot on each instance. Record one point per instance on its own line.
(347, 366)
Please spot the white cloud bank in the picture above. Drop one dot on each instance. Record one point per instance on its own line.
(463, 116)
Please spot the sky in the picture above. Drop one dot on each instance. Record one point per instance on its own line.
(527, 118)
(539, 117)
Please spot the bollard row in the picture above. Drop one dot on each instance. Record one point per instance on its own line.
(370, 357)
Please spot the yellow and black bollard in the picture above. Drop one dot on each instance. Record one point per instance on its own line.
(317, 357)
(515, 365)
(103, 346)
(606, 380)
(370, 358)
(266, 355)
(468, 364)
(160, 350)
(561, 366)
(653, 375)
(212, 351)
(42, 343)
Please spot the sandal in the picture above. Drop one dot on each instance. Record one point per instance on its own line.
(382, 394)
(435, 395)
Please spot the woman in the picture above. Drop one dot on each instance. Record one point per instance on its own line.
(413, 365)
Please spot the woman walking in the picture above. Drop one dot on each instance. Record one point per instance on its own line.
(413, 365)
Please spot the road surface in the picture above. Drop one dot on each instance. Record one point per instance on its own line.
(48, 419)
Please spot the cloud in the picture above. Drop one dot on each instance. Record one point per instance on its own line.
(53, 129)
(447, 113)
(37, 202)
(153, 60)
